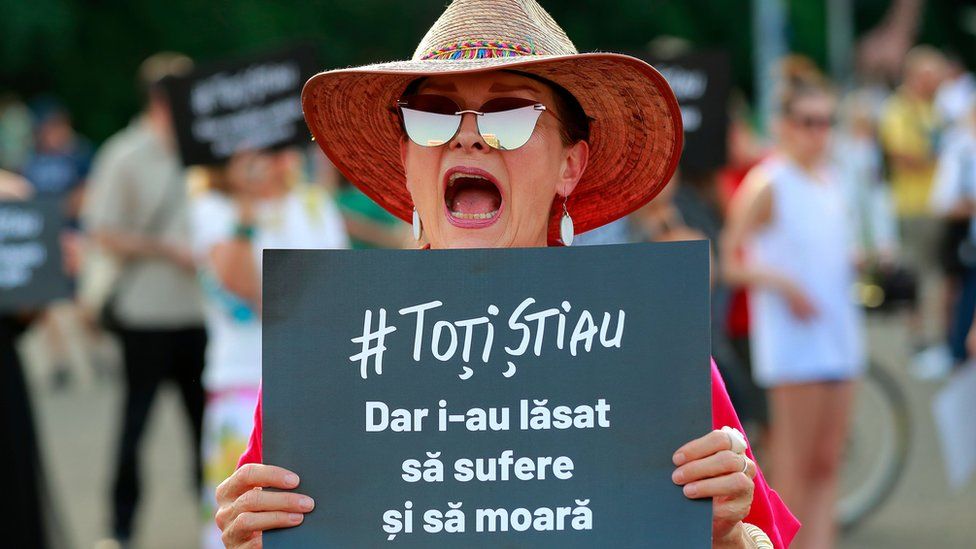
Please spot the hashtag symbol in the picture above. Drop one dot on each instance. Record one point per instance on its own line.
(373, 343)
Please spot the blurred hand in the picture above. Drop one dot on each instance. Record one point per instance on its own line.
(800, 305)
(708, 468)
(71, 252)
(179, 254)
(971, 341)
(245, 510)
(882, 51)
(14, 187)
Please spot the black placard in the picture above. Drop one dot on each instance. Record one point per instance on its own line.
(702, 82)
(250, 103)
(598, 414)
(31, 271)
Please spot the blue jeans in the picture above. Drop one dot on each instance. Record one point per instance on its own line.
(962, 317)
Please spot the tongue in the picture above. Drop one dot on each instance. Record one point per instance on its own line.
(475, 199)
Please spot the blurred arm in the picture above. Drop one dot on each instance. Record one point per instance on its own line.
(236, 268)
(228, 257)
(750, 210)
(949, 197)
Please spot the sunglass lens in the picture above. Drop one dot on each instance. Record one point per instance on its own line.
(429, 102)
(430, 120)
(428, 129)
(816, 122)
(509, 129)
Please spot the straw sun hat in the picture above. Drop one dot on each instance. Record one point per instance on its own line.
(635, 134)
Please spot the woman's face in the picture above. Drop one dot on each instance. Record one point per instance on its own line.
(807, 128)
(263, 174)
(470, 195)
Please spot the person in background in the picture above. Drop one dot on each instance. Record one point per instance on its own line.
(859, 161)
(16, 133)
(660, 220)
(256, 202)
(955, 96)
(23, 524)
(791, 219)
(909, 133)
(954, 198)
(61, 159)
(137, 212)
(57, 170)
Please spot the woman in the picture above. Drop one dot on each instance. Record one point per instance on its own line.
(791, 218)
(560, 143)
(252, 204)
(953, 197)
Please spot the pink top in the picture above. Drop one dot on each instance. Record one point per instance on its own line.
(768, 510)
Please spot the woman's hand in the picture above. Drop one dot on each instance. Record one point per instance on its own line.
(971, 339)
(800, 304)
(245, 509)
(708, 468)
(14, 187)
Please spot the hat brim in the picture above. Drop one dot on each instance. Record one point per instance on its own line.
(635, 137)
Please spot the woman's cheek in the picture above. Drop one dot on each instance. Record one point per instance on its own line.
(421, 168)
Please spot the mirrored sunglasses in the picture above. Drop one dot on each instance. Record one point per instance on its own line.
(811, 122)
(505, 123)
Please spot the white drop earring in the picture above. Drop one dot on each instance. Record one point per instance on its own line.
(566, 229)
(418, 226)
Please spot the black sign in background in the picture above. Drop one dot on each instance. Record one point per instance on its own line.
(702, 83)
(657, 384)
(31, 271)
(249, 103)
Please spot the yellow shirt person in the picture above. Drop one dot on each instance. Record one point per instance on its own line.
(908, 132)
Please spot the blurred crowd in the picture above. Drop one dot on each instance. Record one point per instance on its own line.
(869, 187)
(860, 199)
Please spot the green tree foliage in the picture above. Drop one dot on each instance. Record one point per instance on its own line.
(87, 51)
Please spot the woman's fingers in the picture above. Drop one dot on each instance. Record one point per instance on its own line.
(254, 475)
(728, 513)
(712, 443)
(722, 463)
(708, 468)
(734, 485)
(262, 500)
(246, 509)
(247, 525)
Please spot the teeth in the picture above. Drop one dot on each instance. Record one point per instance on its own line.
(458, 175)
(460, 215)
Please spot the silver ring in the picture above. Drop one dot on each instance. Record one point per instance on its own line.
(745, 465)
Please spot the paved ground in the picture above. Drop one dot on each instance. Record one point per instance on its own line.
(922, 512)
(78, 427)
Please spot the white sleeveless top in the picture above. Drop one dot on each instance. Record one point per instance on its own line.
(808, 240)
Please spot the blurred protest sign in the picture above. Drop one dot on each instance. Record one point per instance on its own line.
(250, 103)
(952, 409)
(488, 398)
(31, 271)
(702, 83)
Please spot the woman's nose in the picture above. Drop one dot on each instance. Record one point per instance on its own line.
(468, 138)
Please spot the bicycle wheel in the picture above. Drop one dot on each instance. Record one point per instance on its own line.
(877, 448)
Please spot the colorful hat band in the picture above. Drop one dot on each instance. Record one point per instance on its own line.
(479, 49)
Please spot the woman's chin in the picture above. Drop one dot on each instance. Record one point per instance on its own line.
(457, 237)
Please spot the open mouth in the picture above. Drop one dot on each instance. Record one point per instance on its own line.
(472, 197)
